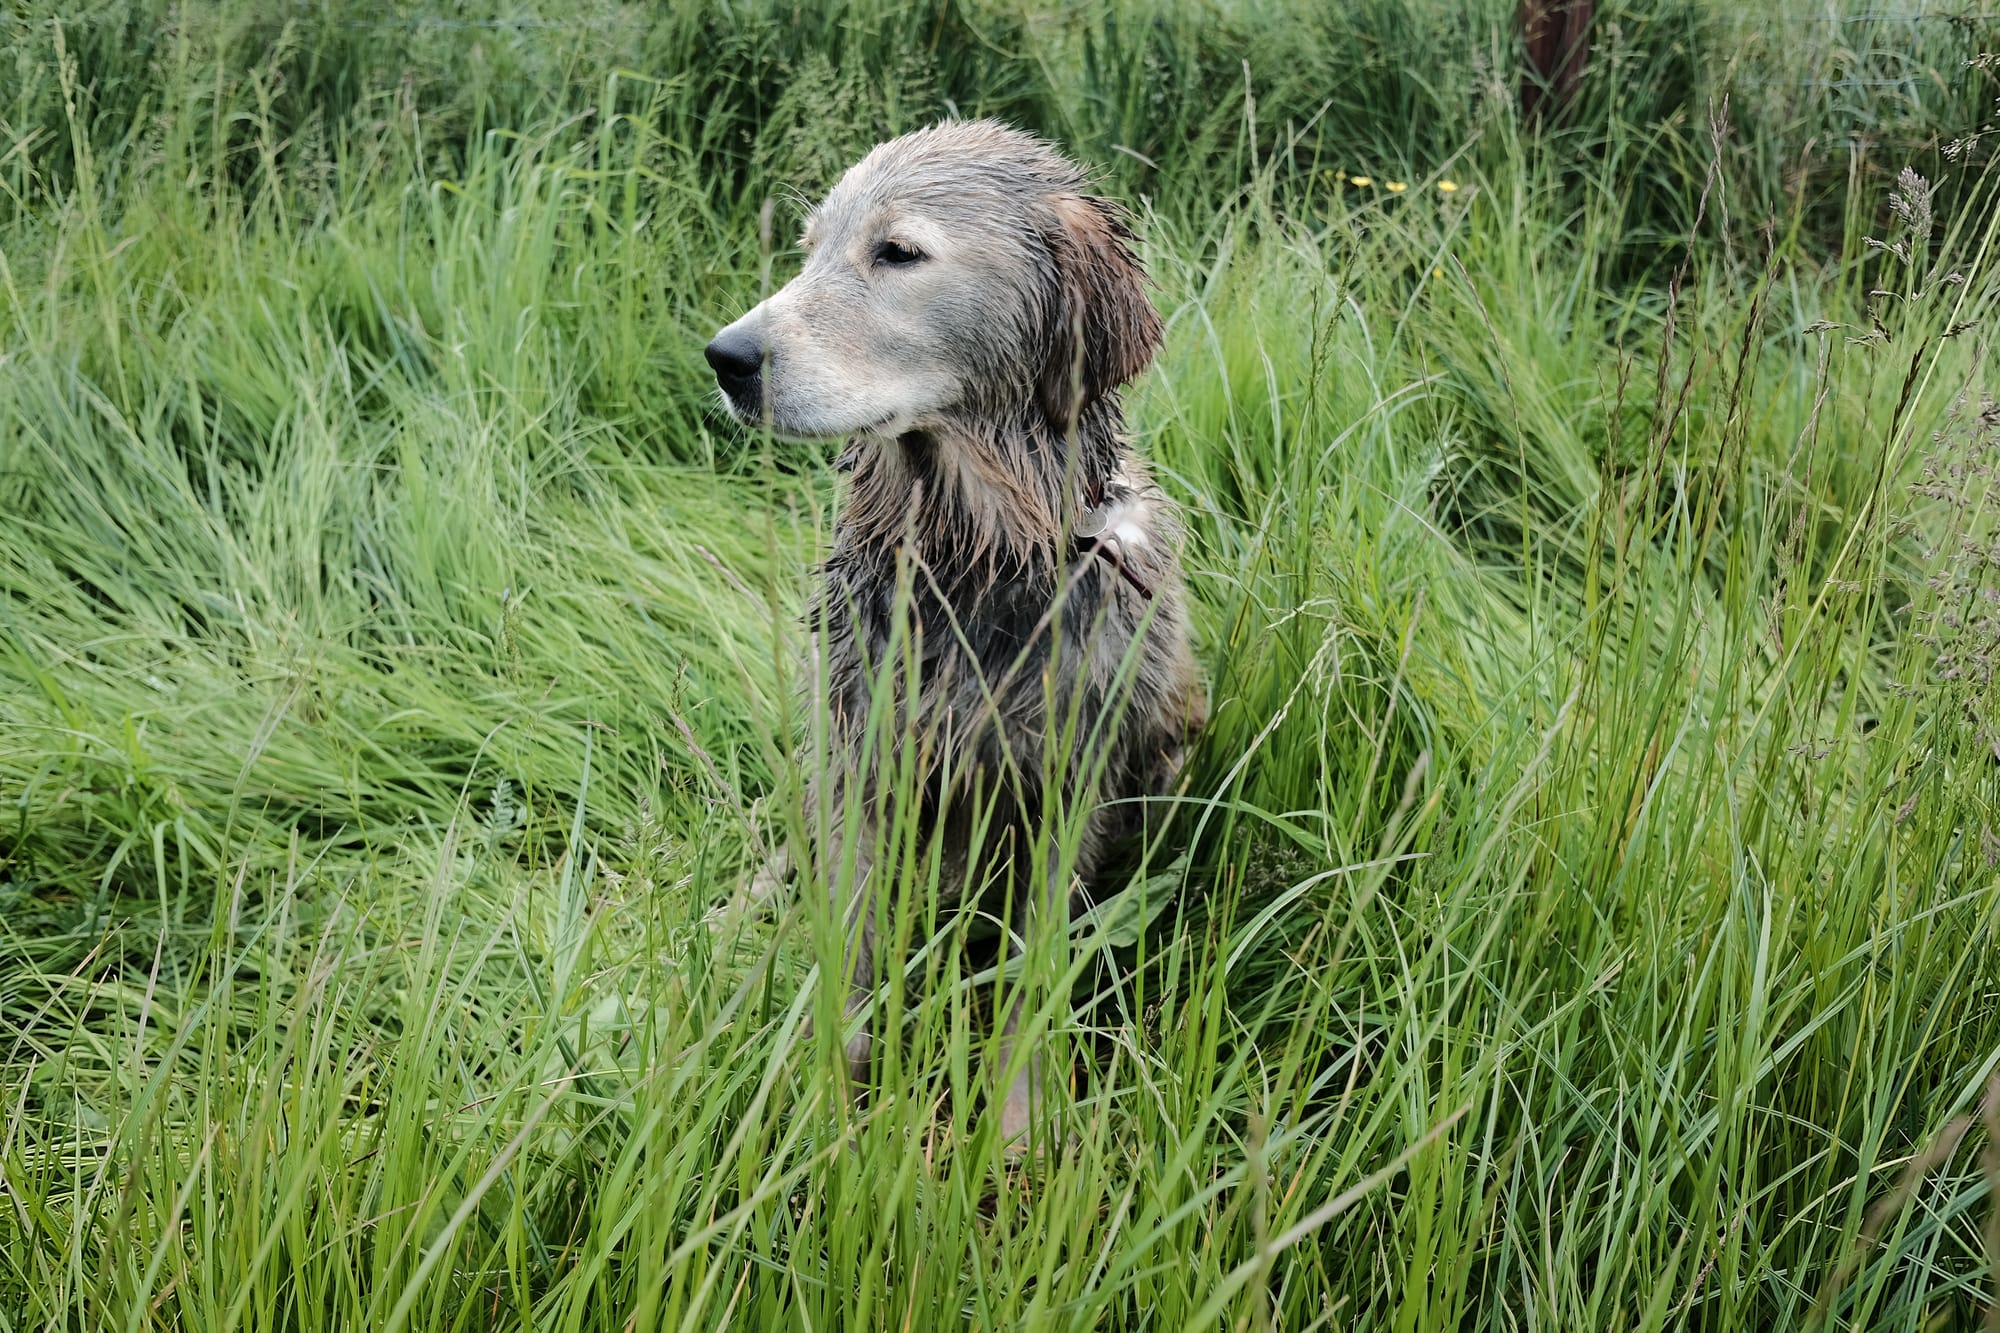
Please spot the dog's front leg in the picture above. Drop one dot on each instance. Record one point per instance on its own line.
(854, 907)
(1017, 1111)
(859, 967)
(855, 902)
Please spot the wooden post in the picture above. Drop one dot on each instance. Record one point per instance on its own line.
(1556, 36)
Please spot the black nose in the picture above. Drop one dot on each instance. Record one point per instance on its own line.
(735, 358)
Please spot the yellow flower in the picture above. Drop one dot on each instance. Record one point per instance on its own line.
(1447, 187)
(1361, 180)
(1396, 187)
(1437, 273)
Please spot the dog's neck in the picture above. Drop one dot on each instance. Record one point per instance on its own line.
(980, 501)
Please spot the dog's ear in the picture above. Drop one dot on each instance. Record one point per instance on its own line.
(1103, 329)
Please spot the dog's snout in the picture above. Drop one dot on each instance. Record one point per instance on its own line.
(736, 357)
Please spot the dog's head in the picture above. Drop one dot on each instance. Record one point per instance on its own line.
(960, 270)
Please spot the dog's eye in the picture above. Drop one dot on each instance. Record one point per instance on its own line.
(894, 254)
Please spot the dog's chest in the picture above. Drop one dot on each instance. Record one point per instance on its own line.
(987, 624)
(964, 663)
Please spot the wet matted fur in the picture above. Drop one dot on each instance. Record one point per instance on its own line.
(1002, 564)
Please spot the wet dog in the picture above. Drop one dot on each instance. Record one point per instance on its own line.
(1003, 570)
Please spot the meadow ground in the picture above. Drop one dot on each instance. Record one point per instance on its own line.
(1580, 914)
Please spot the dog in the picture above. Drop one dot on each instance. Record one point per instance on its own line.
(965, 317)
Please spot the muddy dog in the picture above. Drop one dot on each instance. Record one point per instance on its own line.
(965, 316)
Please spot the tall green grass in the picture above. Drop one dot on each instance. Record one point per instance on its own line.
(1579, 914)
